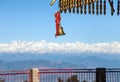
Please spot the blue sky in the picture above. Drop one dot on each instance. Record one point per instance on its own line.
(33, 20)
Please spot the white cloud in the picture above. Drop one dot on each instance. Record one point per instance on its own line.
(40, 47)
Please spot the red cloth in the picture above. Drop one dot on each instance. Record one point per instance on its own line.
(57, 21)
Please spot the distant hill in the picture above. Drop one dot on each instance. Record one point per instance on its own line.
(27, 61)
(39, 63)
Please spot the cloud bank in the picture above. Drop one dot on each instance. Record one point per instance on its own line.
(41, 47)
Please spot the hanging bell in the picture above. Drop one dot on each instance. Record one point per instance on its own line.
(93, 11)
(100, 7)
(112, 7)
(64, 6)
(77, 6)
(69, 6)
(80, 3)
(118, 8)
(60, 5)
(97, 7)
(104, 7)
(89, 7)
(73, 6)
(85, 4)
(81, 7)
(60, 31)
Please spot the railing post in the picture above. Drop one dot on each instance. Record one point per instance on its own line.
(34, 75)
(100, 74)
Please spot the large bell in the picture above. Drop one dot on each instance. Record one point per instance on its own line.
(60, 31)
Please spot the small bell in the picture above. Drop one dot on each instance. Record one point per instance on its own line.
(89, 7)
(73, 6)
(112, 7)
(60, 5)
(69, 7)
(112, 10)
(81, 9)
(97, 7)
(85, 7)
(64, 6)
(93, 11)
(77, 7)
(104, 7)
(73, 9)
(118, 8)
(80, 2)
(59, 32)
(100, 7)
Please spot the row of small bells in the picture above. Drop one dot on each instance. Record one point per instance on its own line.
(89, 3)
(80, 6)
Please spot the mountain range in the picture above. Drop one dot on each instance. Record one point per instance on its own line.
(27, 61)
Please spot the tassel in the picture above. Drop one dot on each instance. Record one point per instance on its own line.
(59, 29)
(93, 8)
(57, 20)
(85, 7)
(100, 7)
(89, 7)
(97, 7)
(104, 7)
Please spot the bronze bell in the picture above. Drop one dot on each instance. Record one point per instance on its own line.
(60, 31)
